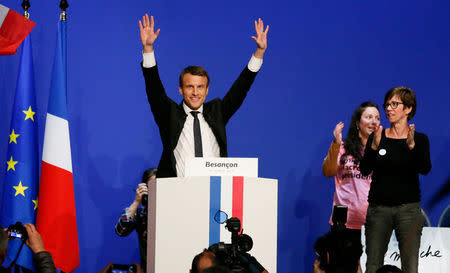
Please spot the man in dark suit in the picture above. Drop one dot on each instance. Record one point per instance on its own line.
(193, 128)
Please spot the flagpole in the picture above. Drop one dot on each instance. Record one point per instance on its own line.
(63, 5)
(26, 5)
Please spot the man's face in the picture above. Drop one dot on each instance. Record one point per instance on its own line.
(194, 90)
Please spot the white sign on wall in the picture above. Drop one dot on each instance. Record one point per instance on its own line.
(434, 253)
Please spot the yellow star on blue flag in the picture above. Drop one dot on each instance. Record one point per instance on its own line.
(20, 189)
(35, 202)
(11, 163)
(13, 137)
(29, 114)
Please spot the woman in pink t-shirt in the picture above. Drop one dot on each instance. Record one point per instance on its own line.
(342, 162)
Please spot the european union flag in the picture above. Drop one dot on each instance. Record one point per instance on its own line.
(19, 202)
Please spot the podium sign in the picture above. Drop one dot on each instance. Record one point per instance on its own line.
(182, 214)
(434, 252)
(221, 166)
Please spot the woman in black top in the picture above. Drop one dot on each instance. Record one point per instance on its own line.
(395, 156)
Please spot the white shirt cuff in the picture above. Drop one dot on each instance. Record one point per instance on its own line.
(127, 213)
(148, 59)
(255, 64)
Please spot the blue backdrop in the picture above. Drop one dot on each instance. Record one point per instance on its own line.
(323, 59)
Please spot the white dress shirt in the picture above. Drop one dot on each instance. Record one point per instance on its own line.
(185, 148)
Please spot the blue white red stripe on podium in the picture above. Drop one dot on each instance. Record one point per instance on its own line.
(226, 197)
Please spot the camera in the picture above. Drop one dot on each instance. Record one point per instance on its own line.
(17, 230)
(338, 250)
(323, 244)
(234, 255)
(148, 176)
(144, 201)
(339, 218)
(122, 268)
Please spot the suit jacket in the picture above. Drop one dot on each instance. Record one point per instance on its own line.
(170, 116)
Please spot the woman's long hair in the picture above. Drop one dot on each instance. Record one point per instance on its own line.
(352, 144)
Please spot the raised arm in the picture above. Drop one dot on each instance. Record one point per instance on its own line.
(330, 164)
(148, 34)
(238, 91)
(159, 102)
(260, 38)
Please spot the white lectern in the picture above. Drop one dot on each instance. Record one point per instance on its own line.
(183, 218)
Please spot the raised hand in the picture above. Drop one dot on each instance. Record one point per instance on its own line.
(377, 138)
(410, 138)
(34, 241)
(260, 38)
(140, 191)
(337, 132)
(148, 34)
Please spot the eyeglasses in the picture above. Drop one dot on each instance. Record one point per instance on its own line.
(393, 104)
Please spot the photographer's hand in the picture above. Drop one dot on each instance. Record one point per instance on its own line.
(9, 234)
(138, 268)
(140, 191)
(34, 241)
(106, 269)
(316, 267)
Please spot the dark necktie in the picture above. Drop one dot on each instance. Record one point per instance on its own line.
(197, 135)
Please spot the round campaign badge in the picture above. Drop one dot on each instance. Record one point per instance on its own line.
(382, 151)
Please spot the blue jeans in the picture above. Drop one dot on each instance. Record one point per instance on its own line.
(406, 221)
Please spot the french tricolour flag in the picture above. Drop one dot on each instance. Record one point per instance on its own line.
(14, 28)
(56, 217)
(225, 201)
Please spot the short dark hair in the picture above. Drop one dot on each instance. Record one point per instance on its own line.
(194, 70)
(406, 95)
(389, 268)
(205, 254)
(148, 173)
(343, 251)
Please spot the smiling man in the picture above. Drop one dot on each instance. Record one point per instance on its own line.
(193, 128)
